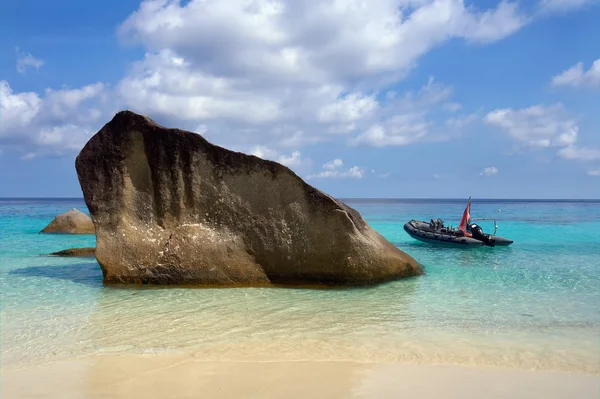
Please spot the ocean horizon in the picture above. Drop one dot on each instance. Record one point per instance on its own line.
(533, 305)
(385, 199)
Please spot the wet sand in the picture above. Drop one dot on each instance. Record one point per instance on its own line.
(170, 376)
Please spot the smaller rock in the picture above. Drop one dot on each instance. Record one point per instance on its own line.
(76, 252)
(71, 222)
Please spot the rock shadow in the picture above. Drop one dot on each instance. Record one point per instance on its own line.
(88, 273)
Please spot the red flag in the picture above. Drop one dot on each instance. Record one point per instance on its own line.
(465, 219)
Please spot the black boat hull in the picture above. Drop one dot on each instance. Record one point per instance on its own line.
(422, 231)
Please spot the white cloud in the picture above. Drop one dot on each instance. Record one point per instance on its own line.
(437, 176)
(567, 138)
(311, 41)
(63, 104)
(490, 25)
(583, 154)
(296, 139)
(279, 74)
(452, 107)
(294, 161)
(544, 127)
(201, 129)
(381, 175)
(332, 170)
(16, 110)
(490, 171)
(593, 172)
(263, 152)
(348, 109)
(335, 164)
(396, 131)
(25, 60)
(354, 172)
(404, 120)
(555, 6)
(165, 84)
(314, 67)
(577, 77)
(461, 122)
(536, 126)
(29, 156)
(59, 120)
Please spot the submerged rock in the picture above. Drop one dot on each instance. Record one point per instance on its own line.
(171, 208)
(71, 222)
(75, 252)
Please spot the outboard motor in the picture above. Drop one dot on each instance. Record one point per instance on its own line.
(478, 234)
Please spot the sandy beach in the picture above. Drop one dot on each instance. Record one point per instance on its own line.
(168, 376)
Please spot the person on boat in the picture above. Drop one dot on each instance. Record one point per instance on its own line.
(478, 234)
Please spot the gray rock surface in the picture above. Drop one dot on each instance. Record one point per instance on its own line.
(71, 222)
(171, 208)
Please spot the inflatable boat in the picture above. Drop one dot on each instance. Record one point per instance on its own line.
(468, 234)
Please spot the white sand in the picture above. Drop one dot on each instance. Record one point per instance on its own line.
(167, 376)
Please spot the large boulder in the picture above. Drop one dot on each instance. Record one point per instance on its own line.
(71, 222)
(171, 208)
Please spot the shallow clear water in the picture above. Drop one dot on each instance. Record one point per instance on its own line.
(535, 304)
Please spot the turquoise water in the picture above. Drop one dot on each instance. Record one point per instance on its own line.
(534, 305)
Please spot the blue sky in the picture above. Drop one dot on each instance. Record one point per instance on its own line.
(404, 98)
